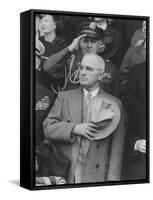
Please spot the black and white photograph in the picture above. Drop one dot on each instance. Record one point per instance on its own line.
(90, 107)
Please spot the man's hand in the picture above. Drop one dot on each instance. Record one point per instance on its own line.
(87, 130)
(43, 104)
(139, 43)
(75, 43)
(140, 146)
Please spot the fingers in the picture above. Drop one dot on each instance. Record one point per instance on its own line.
(94, 127)
(93, 124)
(92, 130)
(81, 36)
(42, 106)
(75, 44)
(89, 135)
(143, 149)
(89, 138)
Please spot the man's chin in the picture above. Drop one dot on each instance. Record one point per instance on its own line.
(90, 51)
(83, 84)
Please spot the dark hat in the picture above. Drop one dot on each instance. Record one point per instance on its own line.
(90, 28)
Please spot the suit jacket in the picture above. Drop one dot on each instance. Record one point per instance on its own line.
(104, 158)
(135, 103)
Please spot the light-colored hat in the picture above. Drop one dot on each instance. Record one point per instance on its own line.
(105, 112)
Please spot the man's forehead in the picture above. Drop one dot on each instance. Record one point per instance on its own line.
(90, 61)
(93, 60)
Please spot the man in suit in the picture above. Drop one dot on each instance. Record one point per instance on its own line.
(134, 101)
(68, 127)
(90, 39)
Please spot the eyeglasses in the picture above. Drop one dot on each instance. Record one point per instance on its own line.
(87, 68)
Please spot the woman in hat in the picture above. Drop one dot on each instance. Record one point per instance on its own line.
(51, 38)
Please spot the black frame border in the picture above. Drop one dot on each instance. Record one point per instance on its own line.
(27, 96)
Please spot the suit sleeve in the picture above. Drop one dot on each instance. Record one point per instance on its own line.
(126, 61)
(55, 63)
(116, 151)
(55, 128)
(130, 97)
(137, 36)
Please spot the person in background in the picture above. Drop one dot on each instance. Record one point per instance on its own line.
(113, 39)
(48, 42)
(89, 40)
(43, 95)
(134, 100)
(50, 164)
(51, 34)
(135, 54)
(53, 41)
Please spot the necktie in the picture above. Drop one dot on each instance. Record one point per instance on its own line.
(84, 143)
(88, 97)
(86, 109)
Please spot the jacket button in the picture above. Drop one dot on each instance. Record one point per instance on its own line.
(97, 165)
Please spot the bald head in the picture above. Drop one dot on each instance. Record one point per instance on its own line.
(94, 60)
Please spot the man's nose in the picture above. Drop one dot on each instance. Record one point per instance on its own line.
(89, 44)
(84, 71)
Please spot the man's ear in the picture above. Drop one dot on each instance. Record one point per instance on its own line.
(101, 75)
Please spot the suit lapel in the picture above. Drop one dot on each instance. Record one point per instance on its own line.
(75, 101)
(101, 91)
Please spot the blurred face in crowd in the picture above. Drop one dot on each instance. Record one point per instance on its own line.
(91, 70)
(47, 24)
(90, 45)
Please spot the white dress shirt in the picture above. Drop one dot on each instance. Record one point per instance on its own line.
(93, 93)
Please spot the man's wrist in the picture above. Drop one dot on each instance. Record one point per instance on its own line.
(73, 134)
(74, 130)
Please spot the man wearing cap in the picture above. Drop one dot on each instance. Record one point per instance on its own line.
(90, 39)
(88, 125)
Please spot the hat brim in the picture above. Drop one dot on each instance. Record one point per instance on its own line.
(89, 34)
(97, 105)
